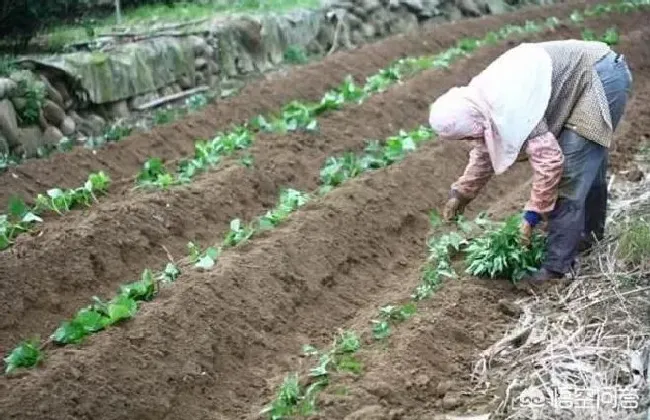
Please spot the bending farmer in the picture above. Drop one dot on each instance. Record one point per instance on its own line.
(560, 101)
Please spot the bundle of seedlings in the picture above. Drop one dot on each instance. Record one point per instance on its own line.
(499, 253)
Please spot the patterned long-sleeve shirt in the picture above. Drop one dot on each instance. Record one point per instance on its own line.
(577, 101)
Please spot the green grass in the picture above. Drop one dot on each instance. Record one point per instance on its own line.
(634, 242)
(182, 11)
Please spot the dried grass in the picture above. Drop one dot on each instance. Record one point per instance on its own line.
(592, 336)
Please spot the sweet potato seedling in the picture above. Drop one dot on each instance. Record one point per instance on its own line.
(26, 354)
(290, 201)
(238, 233)
(498, 252)
(391, 314)
(154, 174)
(21, 218)
(63, 200)
(294, 399)
(337, 170)
(100, 314)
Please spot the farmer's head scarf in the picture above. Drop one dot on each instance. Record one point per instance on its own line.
(502, 104)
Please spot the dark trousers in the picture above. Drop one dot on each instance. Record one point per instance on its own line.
(580, 211)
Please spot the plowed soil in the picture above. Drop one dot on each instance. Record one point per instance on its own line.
(216, 344)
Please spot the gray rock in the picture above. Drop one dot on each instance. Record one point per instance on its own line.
(368, 31)
(7, 87)
(60, 86)
(354, 21)
(380, 20)
(370, 5)
(92, 125)
(51, 92)
(19, 103)
(117, 109)
(210, 79)
(53, 113)
(176, 87)
(430, 8)
(414, 5)
(185, 82)
(68, 126)
(30, 140)
(167, 91)
(52, 136)
(451, 11)
(198, 44)
(209, 52)
(8, 122)
(97, 122)
(495, 7)
(469, 8)
(403, 22)
(200, 64)
(199, 79)
(213, 66)
(357, 38)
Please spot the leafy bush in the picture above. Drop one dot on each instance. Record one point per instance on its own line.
(33, 91)
(499, 252)
(634, 243)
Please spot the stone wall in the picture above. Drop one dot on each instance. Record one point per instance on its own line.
(76, 95)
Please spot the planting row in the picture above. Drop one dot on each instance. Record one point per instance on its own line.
(124, 305)
(492, 249)
(23, 218)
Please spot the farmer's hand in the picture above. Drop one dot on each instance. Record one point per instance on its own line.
(526, 227)
(526, 231)
(543, 225)
(455, 205)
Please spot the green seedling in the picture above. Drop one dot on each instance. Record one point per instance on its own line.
(154, 174)
(290, 200)
(26, 355)
(21, 218)
(391, 314)
(340, 169)
(238, 234)
(499, 252)
(193, 251)
(208, 259)
(170, 273)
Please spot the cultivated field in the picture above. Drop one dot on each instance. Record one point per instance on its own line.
(302, 233)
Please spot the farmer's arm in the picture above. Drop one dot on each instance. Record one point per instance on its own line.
(547, 160)
(477, 172)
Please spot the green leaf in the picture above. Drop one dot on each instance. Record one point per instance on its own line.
(69, 332)
(30, 217)
(139, 290)
(208, 260)
(171, 273)
(27, 354)
(17, 207)
(121, 308)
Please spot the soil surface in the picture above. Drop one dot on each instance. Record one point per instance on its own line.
(216, 344)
